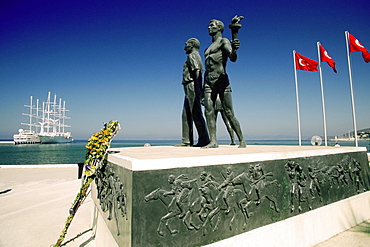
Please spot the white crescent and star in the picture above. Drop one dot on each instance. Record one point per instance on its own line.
(300, 62)
(358, 43)
(327, 55)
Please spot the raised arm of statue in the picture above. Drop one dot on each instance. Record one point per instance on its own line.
(231, 48)
(235, 44)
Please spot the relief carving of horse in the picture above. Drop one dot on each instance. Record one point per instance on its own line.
(191, 203)
(220, 205)
(170, 204)
(256, 191)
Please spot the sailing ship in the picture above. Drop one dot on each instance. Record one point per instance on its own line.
(46, 125)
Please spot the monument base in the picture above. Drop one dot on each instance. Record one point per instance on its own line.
(261, 195)
(307, 229)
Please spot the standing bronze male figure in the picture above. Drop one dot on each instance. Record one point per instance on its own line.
(216, 81)
(192, 82)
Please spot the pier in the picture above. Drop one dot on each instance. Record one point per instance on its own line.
(7, 143)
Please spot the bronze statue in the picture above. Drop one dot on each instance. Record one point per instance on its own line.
(192, 82)
(216, 81)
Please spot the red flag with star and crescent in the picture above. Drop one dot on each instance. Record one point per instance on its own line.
(305, 63)
(325, 57)
(355, 46)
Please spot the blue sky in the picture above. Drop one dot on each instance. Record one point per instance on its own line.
(122, 60)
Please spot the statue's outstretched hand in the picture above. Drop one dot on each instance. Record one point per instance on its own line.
(235, 44)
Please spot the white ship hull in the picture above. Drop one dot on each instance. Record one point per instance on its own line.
(48, 139)
(26, 137)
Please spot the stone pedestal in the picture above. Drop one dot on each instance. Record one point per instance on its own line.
(173, 196)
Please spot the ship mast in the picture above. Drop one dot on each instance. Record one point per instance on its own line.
(31, 115)
(37, 115)
(59, 113)
(64, 116)
(54, 114)
(46, 118)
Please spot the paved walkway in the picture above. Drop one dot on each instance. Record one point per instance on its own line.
(34, 211)
(358, 236)
(35, 202)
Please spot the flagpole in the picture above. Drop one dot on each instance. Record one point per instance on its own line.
(322, 95)
(297, 97)
(351, 87)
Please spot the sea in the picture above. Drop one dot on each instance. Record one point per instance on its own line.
(74, 153)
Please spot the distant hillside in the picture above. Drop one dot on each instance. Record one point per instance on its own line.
(364, 130)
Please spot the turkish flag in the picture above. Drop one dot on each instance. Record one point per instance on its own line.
(304, 63)
(355, 46)
(325, 57)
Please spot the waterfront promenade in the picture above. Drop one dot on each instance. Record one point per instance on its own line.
(35, 203)
(34, 211)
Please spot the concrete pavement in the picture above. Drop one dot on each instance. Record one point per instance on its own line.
(357, 236)
(34, 211)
